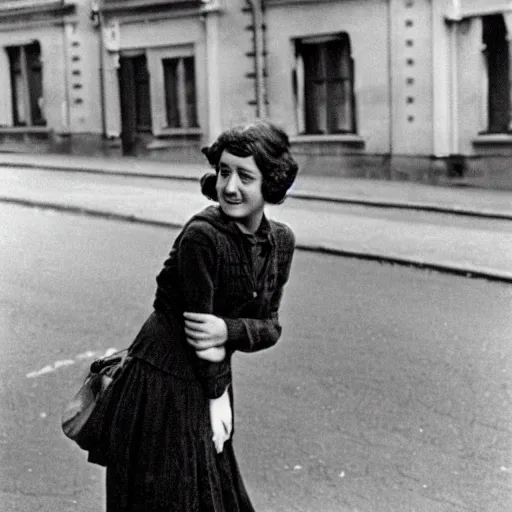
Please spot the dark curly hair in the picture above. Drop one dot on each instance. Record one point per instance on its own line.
(270, 147)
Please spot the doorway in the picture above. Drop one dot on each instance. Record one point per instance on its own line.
(135, 101)
(495, 40)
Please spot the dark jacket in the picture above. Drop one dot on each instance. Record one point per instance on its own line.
(210, 270)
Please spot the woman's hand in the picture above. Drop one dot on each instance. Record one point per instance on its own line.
(214, 354)
(205, 331)
(221, 419)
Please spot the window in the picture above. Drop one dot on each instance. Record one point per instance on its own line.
(325, 85)
(26, 85)
(496, 56)
(180, 92)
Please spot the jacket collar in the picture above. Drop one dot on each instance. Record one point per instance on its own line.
(264, 233)
(216, 217)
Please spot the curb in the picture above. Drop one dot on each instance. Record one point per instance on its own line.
(475, 272)
(89, 212)
(424, 207)
(453, 269)
(106, 172)
(301, 196)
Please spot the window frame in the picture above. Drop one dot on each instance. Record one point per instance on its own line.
(156, 55)
(184, 109)
(324, 119)
(25, 62)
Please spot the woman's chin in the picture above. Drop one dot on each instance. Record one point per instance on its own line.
(233, 210)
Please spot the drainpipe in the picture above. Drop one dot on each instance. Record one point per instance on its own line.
(210, 14)
(456, 17)
(97, 19)
(257, 17)
(391, 81)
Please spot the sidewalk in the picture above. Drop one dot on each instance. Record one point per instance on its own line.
(379, 193)
(480, 248)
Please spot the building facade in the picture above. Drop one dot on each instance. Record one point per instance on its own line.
(391, 89)
(49, 74)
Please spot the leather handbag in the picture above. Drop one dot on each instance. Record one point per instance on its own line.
(82, 419)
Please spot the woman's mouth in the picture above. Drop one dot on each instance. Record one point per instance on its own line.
(232, 201)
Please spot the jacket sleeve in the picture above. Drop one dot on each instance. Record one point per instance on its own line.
(197, 265)
(252, 334)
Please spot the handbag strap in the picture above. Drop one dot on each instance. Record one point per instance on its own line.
(100, 363)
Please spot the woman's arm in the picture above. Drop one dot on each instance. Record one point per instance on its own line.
(197, 261)
(247, 334)
(251, 334)
(254, 334)
(208, 332)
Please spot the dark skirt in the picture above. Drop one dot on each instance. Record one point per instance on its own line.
(160, 454)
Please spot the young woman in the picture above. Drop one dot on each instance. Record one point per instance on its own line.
(168, 446)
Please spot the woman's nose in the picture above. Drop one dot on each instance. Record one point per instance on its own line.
(231, 184)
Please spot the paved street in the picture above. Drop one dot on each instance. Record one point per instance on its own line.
(469, 245)
(349, 190)
(390, 390)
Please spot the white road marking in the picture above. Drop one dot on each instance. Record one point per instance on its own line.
(66, 362)
(42, 371)
(50, 368)
(86, 355)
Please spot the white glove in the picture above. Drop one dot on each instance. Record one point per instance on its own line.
(221, 419)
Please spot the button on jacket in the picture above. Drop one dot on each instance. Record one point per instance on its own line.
(212, 268)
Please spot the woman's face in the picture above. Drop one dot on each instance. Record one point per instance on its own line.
(239, 189)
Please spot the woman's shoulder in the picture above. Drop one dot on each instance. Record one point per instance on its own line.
(285, 245)
(202, 226)
(284, 234)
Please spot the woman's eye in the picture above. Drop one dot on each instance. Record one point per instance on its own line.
(245, 178)
(224, 172)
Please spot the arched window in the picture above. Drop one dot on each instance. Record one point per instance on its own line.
(325, 85)
(497, 63)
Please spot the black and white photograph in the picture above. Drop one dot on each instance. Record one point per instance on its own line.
(255, 256)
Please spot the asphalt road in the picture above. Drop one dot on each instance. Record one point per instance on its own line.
(391, 389)
(76, 188)
(457, 244)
